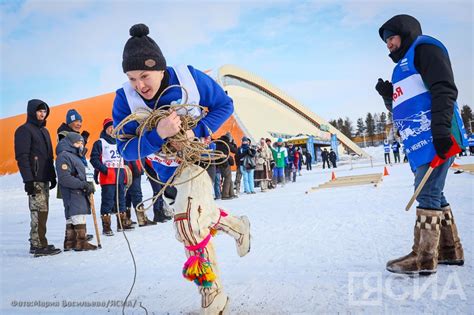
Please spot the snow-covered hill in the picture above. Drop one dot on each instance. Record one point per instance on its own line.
(323, 252)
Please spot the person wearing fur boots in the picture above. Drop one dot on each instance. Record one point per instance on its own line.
(75, 191)
(423, 86)
(106, 158)
(148, 77)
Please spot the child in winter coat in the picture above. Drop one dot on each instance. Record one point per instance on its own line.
(75, 191)
(106, 158)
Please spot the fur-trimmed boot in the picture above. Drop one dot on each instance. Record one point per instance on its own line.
(106, 225)
(239, 229)
(142, 218)
(450, 248)
(69, 238)
(423, 259)
(81, 239)
(129, 216)
(126, 226)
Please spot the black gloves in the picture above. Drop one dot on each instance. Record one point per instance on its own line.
(85, 135)
(104, 170)
(442, 146)
(385, 88)
(53, 183)
(30, 188)
(89, 188)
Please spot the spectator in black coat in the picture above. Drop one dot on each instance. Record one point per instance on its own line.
(224, 147)
(34, 155)
(333, 158)
(309, 160)
(325, 158)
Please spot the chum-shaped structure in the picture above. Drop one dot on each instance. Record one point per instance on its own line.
(263, 110)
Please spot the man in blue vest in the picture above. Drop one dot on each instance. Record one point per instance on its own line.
(422, 97)
(471, 144)
(148, 87)
(386, 151)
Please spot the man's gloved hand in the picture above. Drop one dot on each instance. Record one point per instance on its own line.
(385, 88)
(30, 188)
(53, 183)
(89, 188)
(85, 135)
(442, 146)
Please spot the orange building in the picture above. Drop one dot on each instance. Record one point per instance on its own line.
(261, 110)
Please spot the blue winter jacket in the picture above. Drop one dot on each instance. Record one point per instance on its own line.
(212, 96)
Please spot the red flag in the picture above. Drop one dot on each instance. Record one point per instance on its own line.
(455, 149)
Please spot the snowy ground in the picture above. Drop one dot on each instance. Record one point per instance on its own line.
(323, 252)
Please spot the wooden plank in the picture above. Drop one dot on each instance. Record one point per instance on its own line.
(356, 179)
(352, 183)
(358, 176)
(365, 179)
(466, 167)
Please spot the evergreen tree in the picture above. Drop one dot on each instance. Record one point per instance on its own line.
(466, 114)
(360, 127)
(348, 129)
(383, 121)
(340, 125)
(378, 128)
(370, 125)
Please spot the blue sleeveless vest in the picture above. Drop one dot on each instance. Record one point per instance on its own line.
(412, 108)
(386, 147)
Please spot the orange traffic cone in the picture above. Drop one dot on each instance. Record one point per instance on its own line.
(385, 171)
(333, 177)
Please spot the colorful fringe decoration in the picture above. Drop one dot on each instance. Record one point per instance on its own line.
(197, 268)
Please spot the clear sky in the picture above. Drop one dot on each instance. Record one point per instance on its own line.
(326, 54)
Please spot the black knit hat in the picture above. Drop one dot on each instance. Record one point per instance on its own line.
(141, 52)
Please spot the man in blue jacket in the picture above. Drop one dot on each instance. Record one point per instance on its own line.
(148, 77)
(422, 97)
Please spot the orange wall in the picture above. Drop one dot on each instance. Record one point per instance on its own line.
(93, 111)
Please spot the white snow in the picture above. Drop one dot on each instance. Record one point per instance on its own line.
(323, 252)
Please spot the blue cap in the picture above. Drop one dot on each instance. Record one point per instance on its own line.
(280, 140)
(72, 115)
